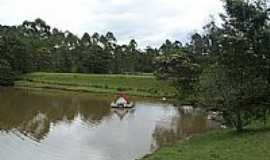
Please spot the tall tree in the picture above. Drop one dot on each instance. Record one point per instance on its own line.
(237, 83)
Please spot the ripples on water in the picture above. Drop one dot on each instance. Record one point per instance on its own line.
(36, 126)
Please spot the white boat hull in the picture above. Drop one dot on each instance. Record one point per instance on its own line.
(129, 105)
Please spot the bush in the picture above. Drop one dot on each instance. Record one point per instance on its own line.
(7, 75)
(238, 102)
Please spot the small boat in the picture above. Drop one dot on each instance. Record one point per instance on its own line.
(122, 102)
(122, 105)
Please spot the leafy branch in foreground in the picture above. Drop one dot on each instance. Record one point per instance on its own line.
(180, 71)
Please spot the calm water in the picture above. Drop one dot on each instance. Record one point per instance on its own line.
(35, 126)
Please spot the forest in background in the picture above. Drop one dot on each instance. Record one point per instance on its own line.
(34, 46)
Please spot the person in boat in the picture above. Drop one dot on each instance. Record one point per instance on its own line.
(122, 100)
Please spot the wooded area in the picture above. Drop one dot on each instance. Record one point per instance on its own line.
(35, 46)
(229, 70)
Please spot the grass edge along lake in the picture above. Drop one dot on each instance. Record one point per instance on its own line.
(220, 144)
(134, 85)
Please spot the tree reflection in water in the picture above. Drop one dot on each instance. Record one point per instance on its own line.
(33, 114)
(83, 125)
(181, 126)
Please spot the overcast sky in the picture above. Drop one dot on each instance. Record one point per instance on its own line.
(150, 22)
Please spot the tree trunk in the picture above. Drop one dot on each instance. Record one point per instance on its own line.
(239, 122)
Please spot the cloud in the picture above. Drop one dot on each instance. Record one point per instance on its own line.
(150, 22)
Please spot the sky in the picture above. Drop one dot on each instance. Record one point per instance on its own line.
(150, 22)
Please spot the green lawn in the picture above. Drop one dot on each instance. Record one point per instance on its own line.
(145, 85)
(220, 145)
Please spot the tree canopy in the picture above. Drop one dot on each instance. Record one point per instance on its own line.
(36, 46)
(234, 59)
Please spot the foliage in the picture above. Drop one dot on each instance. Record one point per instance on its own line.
(35, 46)
(6, 74)
(235, 62)
(180, 70)
(240, 82)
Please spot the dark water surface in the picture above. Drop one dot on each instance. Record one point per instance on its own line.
(38, 126)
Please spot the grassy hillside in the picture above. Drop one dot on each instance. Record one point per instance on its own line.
(220, 145)
(145, 85)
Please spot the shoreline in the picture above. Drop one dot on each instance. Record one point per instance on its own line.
(220, 144)
(93, 91)
(140, 86)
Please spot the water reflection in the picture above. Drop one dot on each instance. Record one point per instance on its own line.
(181, 126)
(67, 126)
(33, 114)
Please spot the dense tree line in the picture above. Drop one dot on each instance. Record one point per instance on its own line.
(227, 69)
(35, 46)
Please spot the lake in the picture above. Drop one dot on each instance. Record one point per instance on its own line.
(66, 126)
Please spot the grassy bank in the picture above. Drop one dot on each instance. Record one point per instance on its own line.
(145, 85)
(220, 145)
